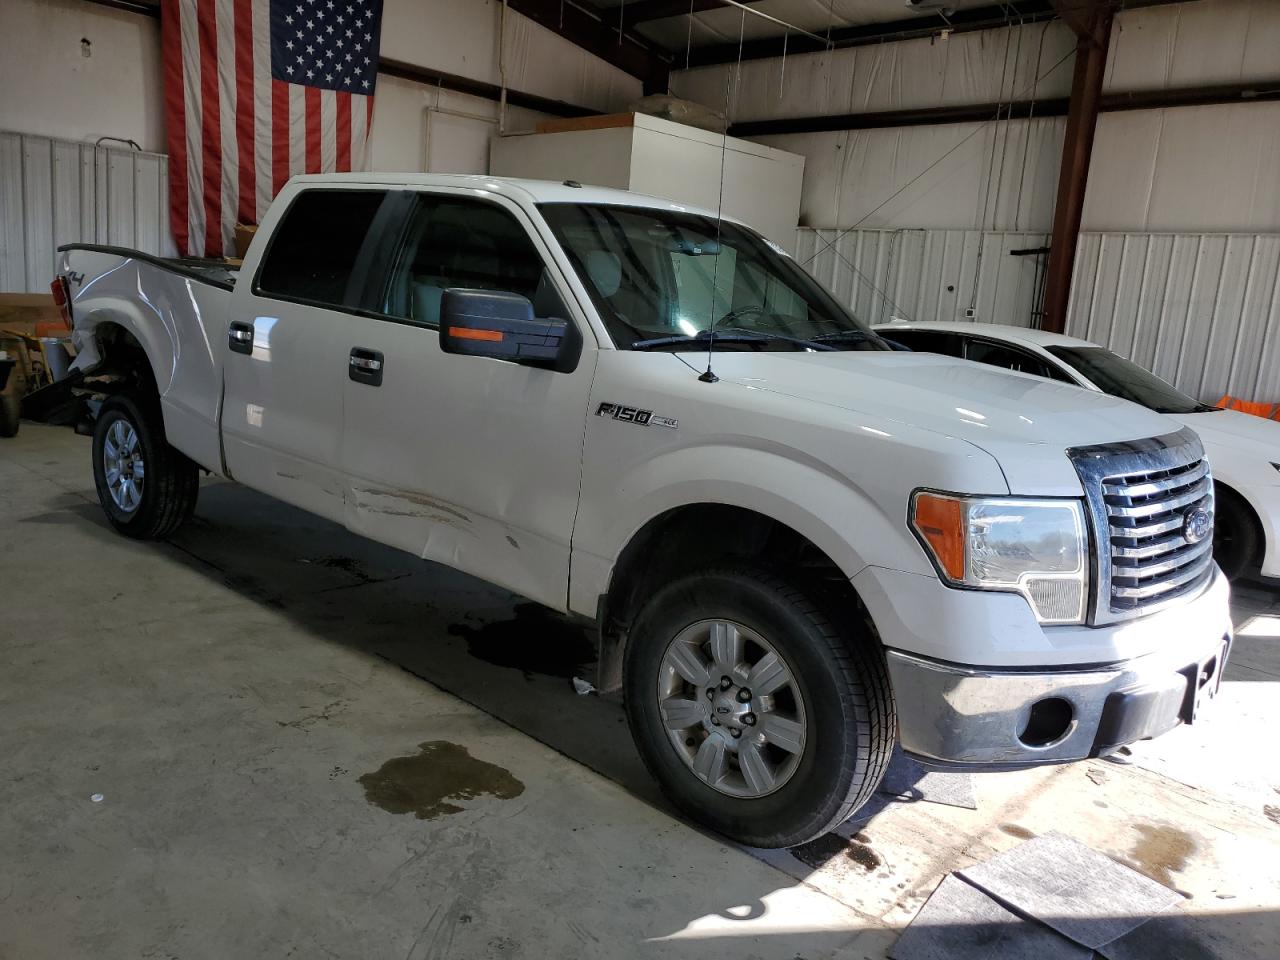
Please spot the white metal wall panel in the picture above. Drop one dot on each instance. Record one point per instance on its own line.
(924, 274)
(56, 191)
(1200, 310)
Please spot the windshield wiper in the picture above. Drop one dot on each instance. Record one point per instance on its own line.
(856, 336)
(729, 335)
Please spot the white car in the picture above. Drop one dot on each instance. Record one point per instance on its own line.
(1243, 449)
(799, 546)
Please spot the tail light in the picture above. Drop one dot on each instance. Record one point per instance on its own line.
(61, 291)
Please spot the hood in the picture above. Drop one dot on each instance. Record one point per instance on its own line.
(1242, 432)
(1025, 422)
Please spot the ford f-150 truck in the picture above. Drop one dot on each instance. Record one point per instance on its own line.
(800, 546)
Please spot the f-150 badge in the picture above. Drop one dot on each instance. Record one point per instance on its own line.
(644, 418)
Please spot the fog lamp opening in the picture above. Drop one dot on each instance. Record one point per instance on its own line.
(1048, 722)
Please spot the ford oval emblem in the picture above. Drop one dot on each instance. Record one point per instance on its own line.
(1196, 525)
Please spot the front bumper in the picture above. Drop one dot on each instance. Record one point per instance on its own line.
(987, 717)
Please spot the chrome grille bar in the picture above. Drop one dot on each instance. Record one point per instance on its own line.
(1142, 496)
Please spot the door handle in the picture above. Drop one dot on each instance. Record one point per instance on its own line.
(365, 366)
(240, 337)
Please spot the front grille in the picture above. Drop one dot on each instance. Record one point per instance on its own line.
(1151, 560)
(1139, 494)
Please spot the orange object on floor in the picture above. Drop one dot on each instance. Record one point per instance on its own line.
(1268, 411)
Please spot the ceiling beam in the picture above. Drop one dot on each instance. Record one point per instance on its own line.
(603, 36)
(1200, 96)
(642, 11)
(1011, 12)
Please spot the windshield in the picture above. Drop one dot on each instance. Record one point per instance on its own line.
(1125, 379)
(664, 279)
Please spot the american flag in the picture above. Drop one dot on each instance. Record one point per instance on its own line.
(255, 92)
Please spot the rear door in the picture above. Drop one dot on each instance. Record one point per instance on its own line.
(286, 352)
(471, 461)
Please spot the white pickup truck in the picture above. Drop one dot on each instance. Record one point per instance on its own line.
(800, 546)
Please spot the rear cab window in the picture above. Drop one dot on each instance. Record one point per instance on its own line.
(315, 249)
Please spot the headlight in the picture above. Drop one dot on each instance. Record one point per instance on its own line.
(1037, 548)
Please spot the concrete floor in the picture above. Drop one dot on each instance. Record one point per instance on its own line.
(308, 745)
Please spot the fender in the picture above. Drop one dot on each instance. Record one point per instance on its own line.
(812, 498)
(170, 314)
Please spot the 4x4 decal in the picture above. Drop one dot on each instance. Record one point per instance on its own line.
(644, 418)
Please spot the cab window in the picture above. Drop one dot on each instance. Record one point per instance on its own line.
(459, 242)
(1010, 358)
(315, 247)
(927, 341)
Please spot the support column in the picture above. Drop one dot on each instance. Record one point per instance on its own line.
(1092, 23)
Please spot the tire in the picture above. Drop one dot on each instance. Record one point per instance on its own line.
(838, 687)
(10, 413)
(170, 482)
(1235, 533)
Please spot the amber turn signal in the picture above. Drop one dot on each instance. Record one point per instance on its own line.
(940, 522)
(471, 333)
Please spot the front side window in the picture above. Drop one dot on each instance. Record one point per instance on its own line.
(928, 341)
(1010, 358)
(460, 242)
(1123, 378)
(314, 249)
(664, 278)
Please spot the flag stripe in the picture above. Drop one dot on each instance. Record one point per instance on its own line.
(311, 95)
(263, 112)
(343, 129)
(212, 140)
(195, 126)
(297, 129)
(246, 108)
(279, 134)
(229, 158)
(175, 120)
(328, 130)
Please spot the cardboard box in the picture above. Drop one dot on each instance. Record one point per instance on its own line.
(244, 236)
(22, 312)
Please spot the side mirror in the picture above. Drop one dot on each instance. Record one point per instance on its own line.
(494, 323)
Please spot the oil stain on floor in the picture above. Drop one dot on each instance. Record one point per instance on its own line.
(817, 853)
(538, 640)
(426, 783)
(1161, 851)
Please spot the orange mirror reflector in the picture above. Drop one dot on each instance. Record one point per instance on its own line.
(470, 333)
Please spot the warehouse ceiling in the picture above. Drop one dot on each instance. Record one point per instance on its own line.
(716, 22)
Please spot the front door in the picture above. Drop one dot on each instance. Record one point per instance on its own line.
(470, 461)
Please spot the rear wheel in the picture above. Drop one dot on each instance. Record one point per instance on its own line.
(1235, 533)
(758, 714)
(147, 488)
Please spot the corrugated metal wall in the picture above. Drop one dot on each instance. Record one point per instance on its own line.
(1200, 310)
(57, 191)
(925, 274)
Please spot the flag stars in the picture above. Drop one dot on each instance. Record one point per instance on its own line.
(289, 20)
(329, 28)
(311, 24)
(310, 74)
(288, 44)
(365, 84)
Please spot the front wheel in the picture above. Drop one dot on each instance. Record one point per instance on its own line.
(1235, 534)
(758, 715)
(147, 488)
